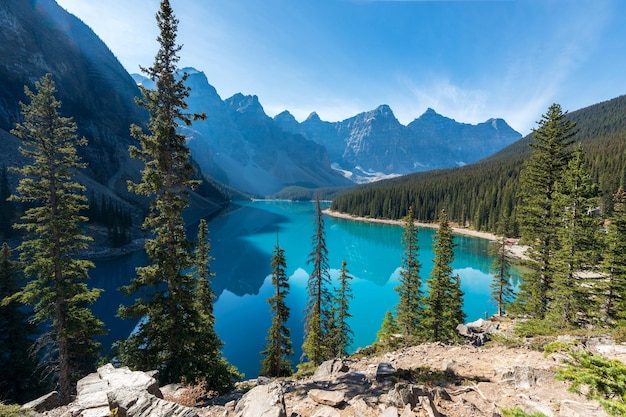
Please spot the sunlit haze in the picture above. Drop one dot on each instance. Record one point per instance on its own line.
(468, 60)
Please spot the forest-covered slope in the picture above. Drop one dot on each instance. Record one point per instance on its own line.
(480, 194)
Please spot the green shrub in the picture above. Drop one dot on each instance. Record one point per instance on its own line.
(605, 380)
(558, 346)
(533, 327)
(14, 410)
(518, 412)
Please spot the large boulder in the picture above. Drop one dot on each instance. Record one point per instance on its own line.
(126, 393)
(139, 403)
(262, 401)
(329, 368)
(332, 398)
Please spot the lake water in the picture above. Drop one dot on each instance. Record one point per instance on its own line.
(242, 242)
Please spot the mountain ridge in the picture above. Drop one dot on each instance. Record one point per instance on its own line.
(375, 141)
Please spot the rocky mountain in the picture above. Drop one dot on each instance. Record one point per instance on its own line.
(95, 90)
(375, 142)
(242, 147)
(40, 37)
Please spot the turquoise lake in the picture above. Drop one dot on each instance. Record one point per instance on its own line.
(242, 242)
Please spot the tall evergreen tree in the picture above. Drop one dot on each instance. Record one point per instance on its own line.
(612, 290)
(341, 333)
(576, 200)
(410, 308)
(57, 276)
(538, 215)
(175, 334)
(443, 304)
(318, 314)
(202, 265)
(275, 362)
(501, 289)
(219, 373)
(20, 380)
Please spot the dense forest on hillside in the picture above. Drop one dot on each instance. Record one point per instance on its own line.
(480, 194)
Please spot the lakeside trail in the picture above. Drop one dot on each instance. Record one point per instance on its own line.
(514, 250)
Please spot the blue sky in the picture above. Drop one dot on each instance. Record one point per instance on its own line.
(468, 60)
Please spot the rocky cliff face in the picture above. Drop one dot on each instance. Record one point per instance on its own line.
(95, 90)
(239, 145)
(40, 37)
(375, 142)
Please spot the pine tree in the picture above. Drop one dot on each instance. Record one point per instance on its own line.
(20, 380)
(218, 373)
(202, 265)
(612, 290)
(538, 215)
(341, 333)
(275, 362)
(410, 308)
(443, 304)
(576, 199)
(175, 332)
(501, 289)
(56, 287)
(318, 314)
(388, 329)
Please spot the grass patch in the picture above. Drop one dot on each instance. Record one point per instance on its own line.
(518, 412)
(14, 410)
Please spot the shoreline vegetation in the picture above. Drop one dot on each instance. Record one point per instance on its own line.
(514, 249)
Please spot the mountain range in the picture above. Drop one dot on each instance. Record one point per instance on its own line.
(375, 142)
(238, 145)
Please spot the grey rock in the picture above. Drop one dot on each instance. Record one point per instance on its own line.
(129, 403)
(525, 377)
(403, 394)
(92, 390)
(448, 365)
(125, 378)
(332, 398)
(483, 326)
(263, 400)
(576, 409)
(329, 368)
(46, 402)
(407, 412)
(326, 411)
(463, 330)
(390, 412)
(384, 370)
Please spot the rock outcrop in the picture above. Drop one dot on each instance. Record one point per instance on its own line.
(428, 380)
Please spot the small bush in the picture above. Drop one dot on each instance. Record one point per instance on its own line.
(503, 340)
(14, 410)
(518, 412)
(604, 379)
(558, 346)
(193, 395)
(533, 327)
(305, 369)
